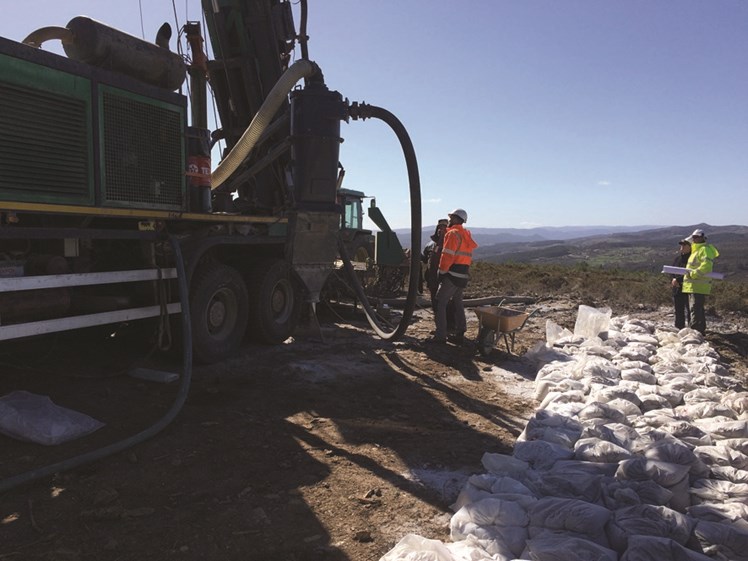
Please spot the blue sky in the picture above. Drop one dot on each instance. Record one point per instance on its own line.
(524, 112)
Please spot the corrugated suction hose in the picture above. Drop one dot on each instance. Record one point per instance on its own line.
(276, 97)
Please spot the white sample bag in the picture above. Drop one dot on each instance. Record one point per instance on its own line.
(35, 418)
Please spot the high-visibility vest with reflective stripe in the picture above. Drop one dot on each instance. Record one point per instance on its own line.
(457, 252)
(699, 264)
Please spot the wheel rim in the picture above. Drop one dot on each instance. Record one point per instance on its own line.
(361, 255)
(222, 313)
(281, 301)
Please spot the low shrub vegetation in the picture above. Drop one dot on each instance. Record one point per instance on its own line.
(618, 289)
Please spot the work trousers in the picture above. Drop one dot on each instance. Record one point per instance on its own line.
(698, 315)
(449, 291)
(682, 311)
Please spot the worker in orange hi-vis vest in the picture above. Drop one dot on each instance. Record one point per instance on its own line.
(454, 267)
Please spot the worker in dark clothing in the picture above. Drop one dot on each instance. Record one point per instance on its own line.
(680, 300)
(430, 256)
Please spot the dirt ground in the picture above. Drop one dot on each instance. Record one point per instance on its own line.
(303, 451)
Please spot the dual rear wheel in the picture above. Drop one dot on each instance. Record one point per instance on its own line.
(224, 308)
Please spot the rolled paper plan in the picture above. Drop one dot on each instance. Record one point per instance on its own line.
(682, 271)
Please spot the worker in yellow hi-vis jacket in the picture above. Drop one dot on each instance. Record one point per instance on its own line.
(696, 283)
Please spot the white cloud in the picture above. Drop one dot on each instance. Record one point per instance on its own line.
(604, 183)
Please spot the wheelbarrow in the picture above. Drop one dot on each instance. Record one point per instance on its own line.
(499, 321)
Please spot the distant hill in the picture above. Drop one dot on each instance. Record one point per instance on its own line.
(642, 248)
(491, 236)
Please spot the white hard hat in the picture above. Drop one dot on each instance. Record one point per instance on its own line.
(459, 212)
(697, 233)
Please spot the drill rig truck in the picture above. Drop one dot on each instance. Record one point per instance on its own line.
(111, 213)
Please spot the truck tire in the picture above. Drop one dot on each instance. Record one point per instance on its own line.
(219, 308)
(275, 302)
(361, 250)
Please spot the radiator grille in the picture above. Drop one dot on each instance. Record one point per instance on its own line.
(44, 146)
(142, 154)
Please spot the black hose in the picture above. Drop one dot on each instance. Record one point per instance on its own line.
(364, 111)
(170, 415)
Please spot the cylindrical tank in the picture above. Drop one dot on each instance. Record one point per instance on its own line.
(105, 47)
(315, 133)
(32, 305)
(46, 265)
(198, 168)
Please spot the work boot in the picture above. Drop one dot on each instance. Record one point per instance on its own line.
(437, 340)
(457, 338)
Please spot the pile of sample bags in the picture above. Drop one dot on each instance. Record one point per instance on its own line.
(637, 452)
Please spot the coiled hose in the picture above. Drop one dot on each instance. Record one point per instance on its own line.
(364, 111)
(278, 94)
(170, 415)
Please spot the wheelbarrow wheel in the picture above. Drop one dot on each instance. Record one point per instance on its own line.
(486, 340)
